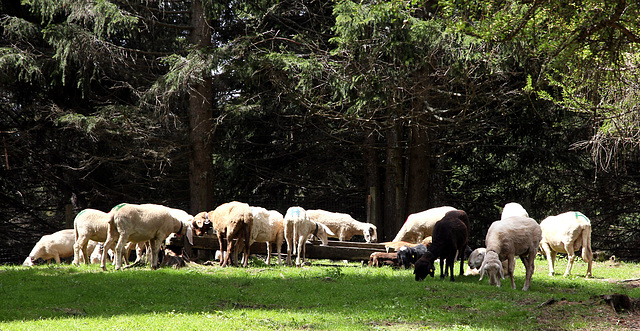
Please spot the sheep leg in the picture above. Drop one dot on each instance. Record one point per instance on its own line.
(122, 241)
(222, 247)
(529, 265)
(288, 237)
(279, 250)
(551, 257)
(230, 250)
(155, 250)
(301, 243)
(512, 265)
(105, 249)
(450, 263)
(446, 270)
(247, 246)
(268, 253)
(571, 256)
(461, 253)
(80, 246)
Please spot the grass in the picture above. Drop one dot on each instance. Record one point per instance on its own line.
(326, 296)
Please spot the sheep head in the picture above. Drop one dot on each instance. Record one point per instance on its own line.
(28, 262)
(424, 266)
(476, 257)
(492, 267)
(201, 224)
(370, 233)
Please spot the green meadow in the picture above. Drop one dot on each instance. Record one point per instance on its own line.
(324, 296)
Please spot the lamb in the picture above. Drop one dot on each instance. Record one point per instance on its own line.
(268, 227)
(566, 233)
(450, 236)
(52, 246)
(141, 223)
(513, 209)
(408, 255)
(232, 221)
(505, 239)
(377, 259)
(89, 224)
(343, 225)
(420, 225)
(297, 229)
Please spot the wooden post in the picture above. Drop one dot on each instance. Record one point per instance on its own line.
(372, 211)
(68, 216)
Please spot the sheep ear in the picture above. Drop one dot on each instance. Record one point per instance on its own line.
(190, 234)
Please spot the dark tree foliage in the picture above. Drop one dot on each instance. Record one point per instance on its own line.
(333, 105)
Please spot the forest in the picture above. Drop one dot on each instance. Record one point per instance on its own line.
(378, 109)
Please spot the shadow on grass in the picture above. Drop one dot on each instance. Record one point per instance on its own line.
(365, 295)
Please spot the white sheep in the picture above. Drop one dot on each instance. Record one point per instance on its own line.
(232, 221)
(566, 233)
(513, 209)
(141, 223)
(297, 229)
(418, 226)
(89, 224)
(343, 225)
(52, 246)
(268, 227)
(513, 236)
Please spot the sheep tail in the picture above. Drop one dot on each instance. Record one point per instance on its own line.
(295, 238)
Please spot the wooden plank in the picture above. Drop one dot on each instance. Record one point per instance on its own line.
(335, 250)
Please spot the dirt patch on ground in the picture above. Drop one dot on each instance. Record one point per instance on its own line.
(600, 317)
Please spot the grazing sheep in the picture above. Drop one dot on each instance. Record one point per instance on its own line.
(450, 236)
(141, 223)
(378, 259)
(297, 229)
(408, 255)
(52, 246)
(476, 257)
(89, 224)
(513, 209)
(566, 233)
(343, 225)
(268, 227)
(232, 221)
(505, 239)
(420, 225)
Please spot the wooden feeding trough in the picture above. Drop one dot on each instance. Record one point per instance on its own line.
(335, 250)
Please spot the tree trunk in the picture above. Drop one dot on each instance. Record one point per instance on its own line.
(419, 171)
(374, 206)
(201, 125)
(394, 190)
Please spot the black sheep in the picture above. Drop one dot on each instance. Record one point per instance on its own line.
(409, 255)
(450, 235)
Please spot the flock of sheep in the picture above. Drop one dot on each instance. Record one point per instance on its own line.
(437, 233)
